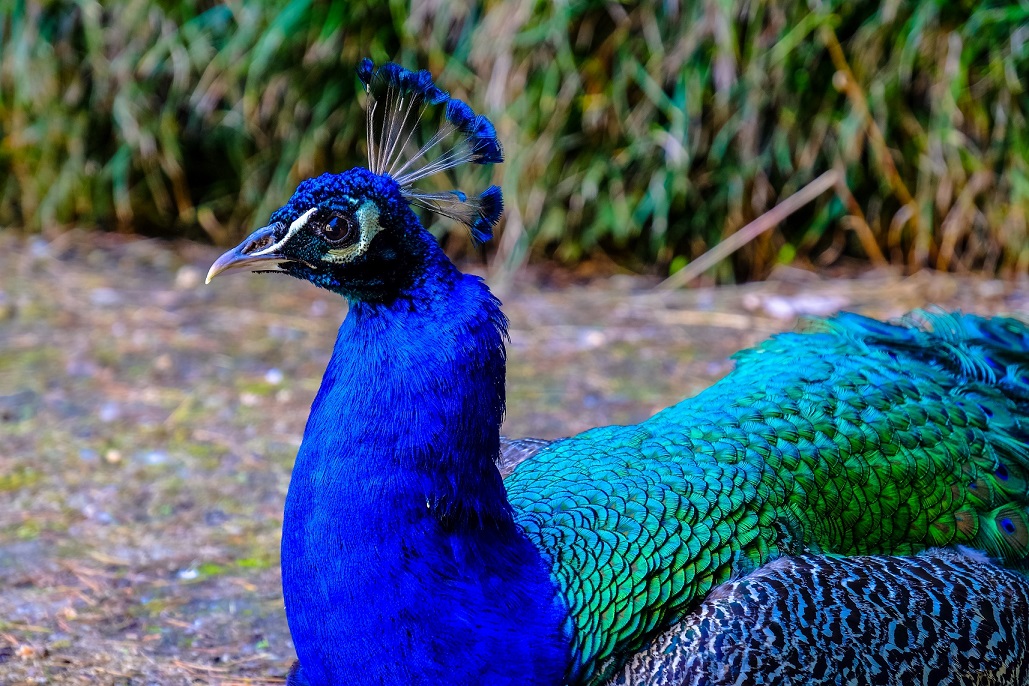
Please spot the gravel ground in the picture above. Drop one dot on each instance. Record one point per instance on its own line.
(148, 424)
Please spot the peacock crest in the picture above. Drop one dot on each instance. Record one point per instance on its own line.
(398, 102)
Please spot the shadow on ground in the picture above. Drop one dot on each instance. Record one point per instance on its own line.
(148, 424)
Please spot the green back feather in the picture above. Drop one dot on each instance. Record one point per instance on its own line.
(854, 437)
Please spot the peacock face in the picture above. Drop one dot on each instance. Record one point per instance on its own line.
(333, 226)
(355, 233)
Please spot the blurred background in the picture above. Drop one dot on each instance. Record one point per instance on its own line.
(640, 132)
(148, 424)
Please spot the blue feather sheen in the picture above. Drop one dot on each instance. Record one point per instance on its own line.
(480, 213)
(401, 561)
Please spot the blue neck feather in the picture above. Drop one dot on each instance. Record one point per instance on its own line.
(401, 561)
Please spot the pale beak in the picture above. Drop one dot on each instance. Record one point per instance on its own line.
(253, 252)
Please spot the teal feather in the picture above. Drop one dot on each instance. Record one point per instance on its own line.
(854, 437)
(948, 617)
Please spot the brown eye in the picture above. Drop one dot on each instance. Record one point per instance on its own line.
(338, 228)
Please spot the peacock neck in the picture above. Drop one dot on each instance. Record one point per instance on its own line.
(398, 535)
(415, 390)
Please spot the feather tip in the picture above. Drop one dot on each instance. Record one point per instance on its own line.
(491, 206)
(398, 102)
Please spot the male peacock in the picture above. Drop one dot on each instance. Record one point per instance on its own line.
(405, 557)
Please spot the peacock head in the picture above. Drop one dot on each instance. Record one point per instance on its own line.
(355, 232)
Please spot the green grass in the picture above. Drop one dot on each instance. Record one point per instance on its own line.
(647, 131)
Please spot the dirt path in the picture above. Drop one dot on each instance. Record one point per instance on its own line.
(148, 424)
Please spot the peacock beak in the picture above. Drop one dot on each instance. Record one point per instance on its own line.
(259, 248)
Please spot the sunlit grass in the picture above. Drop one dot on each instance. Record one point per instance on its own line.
(649, 132)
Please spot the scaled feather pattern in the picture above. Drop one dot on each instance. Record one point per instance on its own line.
(943, 617)
(856, 437)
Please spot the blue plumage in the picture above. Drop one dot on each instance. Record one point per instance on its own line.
(491, 202)
(397, 500)
(406, 559)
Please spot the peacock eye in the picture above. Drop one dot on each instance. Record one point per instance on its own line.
(337, 229)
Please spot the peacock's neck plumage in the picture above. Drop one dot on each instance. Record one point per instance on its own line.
(400, 556)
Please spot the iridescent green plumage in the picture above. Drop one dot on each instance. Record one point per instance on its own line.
(854, 437)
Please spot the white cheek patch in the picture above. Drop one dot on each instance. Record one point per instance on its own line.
(368, 219)
(297, 224)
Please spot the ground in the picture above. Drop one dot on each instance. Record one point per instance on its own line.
(148, 424)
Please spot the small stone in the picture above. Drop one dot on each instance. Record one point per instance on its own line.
(751, 302)
(788, 307)
(109, 412)
(105, 297)
(274, 376)
(986, 289)
(112, 456)
(779, 308)
(592, 338)
(39, 248)
(187, 277)
(153, 457)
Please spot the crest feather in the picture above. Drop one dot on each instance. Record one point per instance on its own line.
(399, 100)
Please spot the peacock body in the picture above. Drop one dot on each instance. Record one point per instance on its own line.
(407, 559)
(856, 438)
(947, 617)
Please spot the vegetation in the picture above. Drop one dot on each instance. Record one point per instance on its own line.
(649, 131)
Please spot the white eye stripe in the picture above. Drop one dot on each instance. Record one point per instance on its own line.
(297, 224)
(368, 220)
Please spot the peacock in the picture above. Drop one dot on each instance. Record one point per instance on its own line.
(626, 552)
